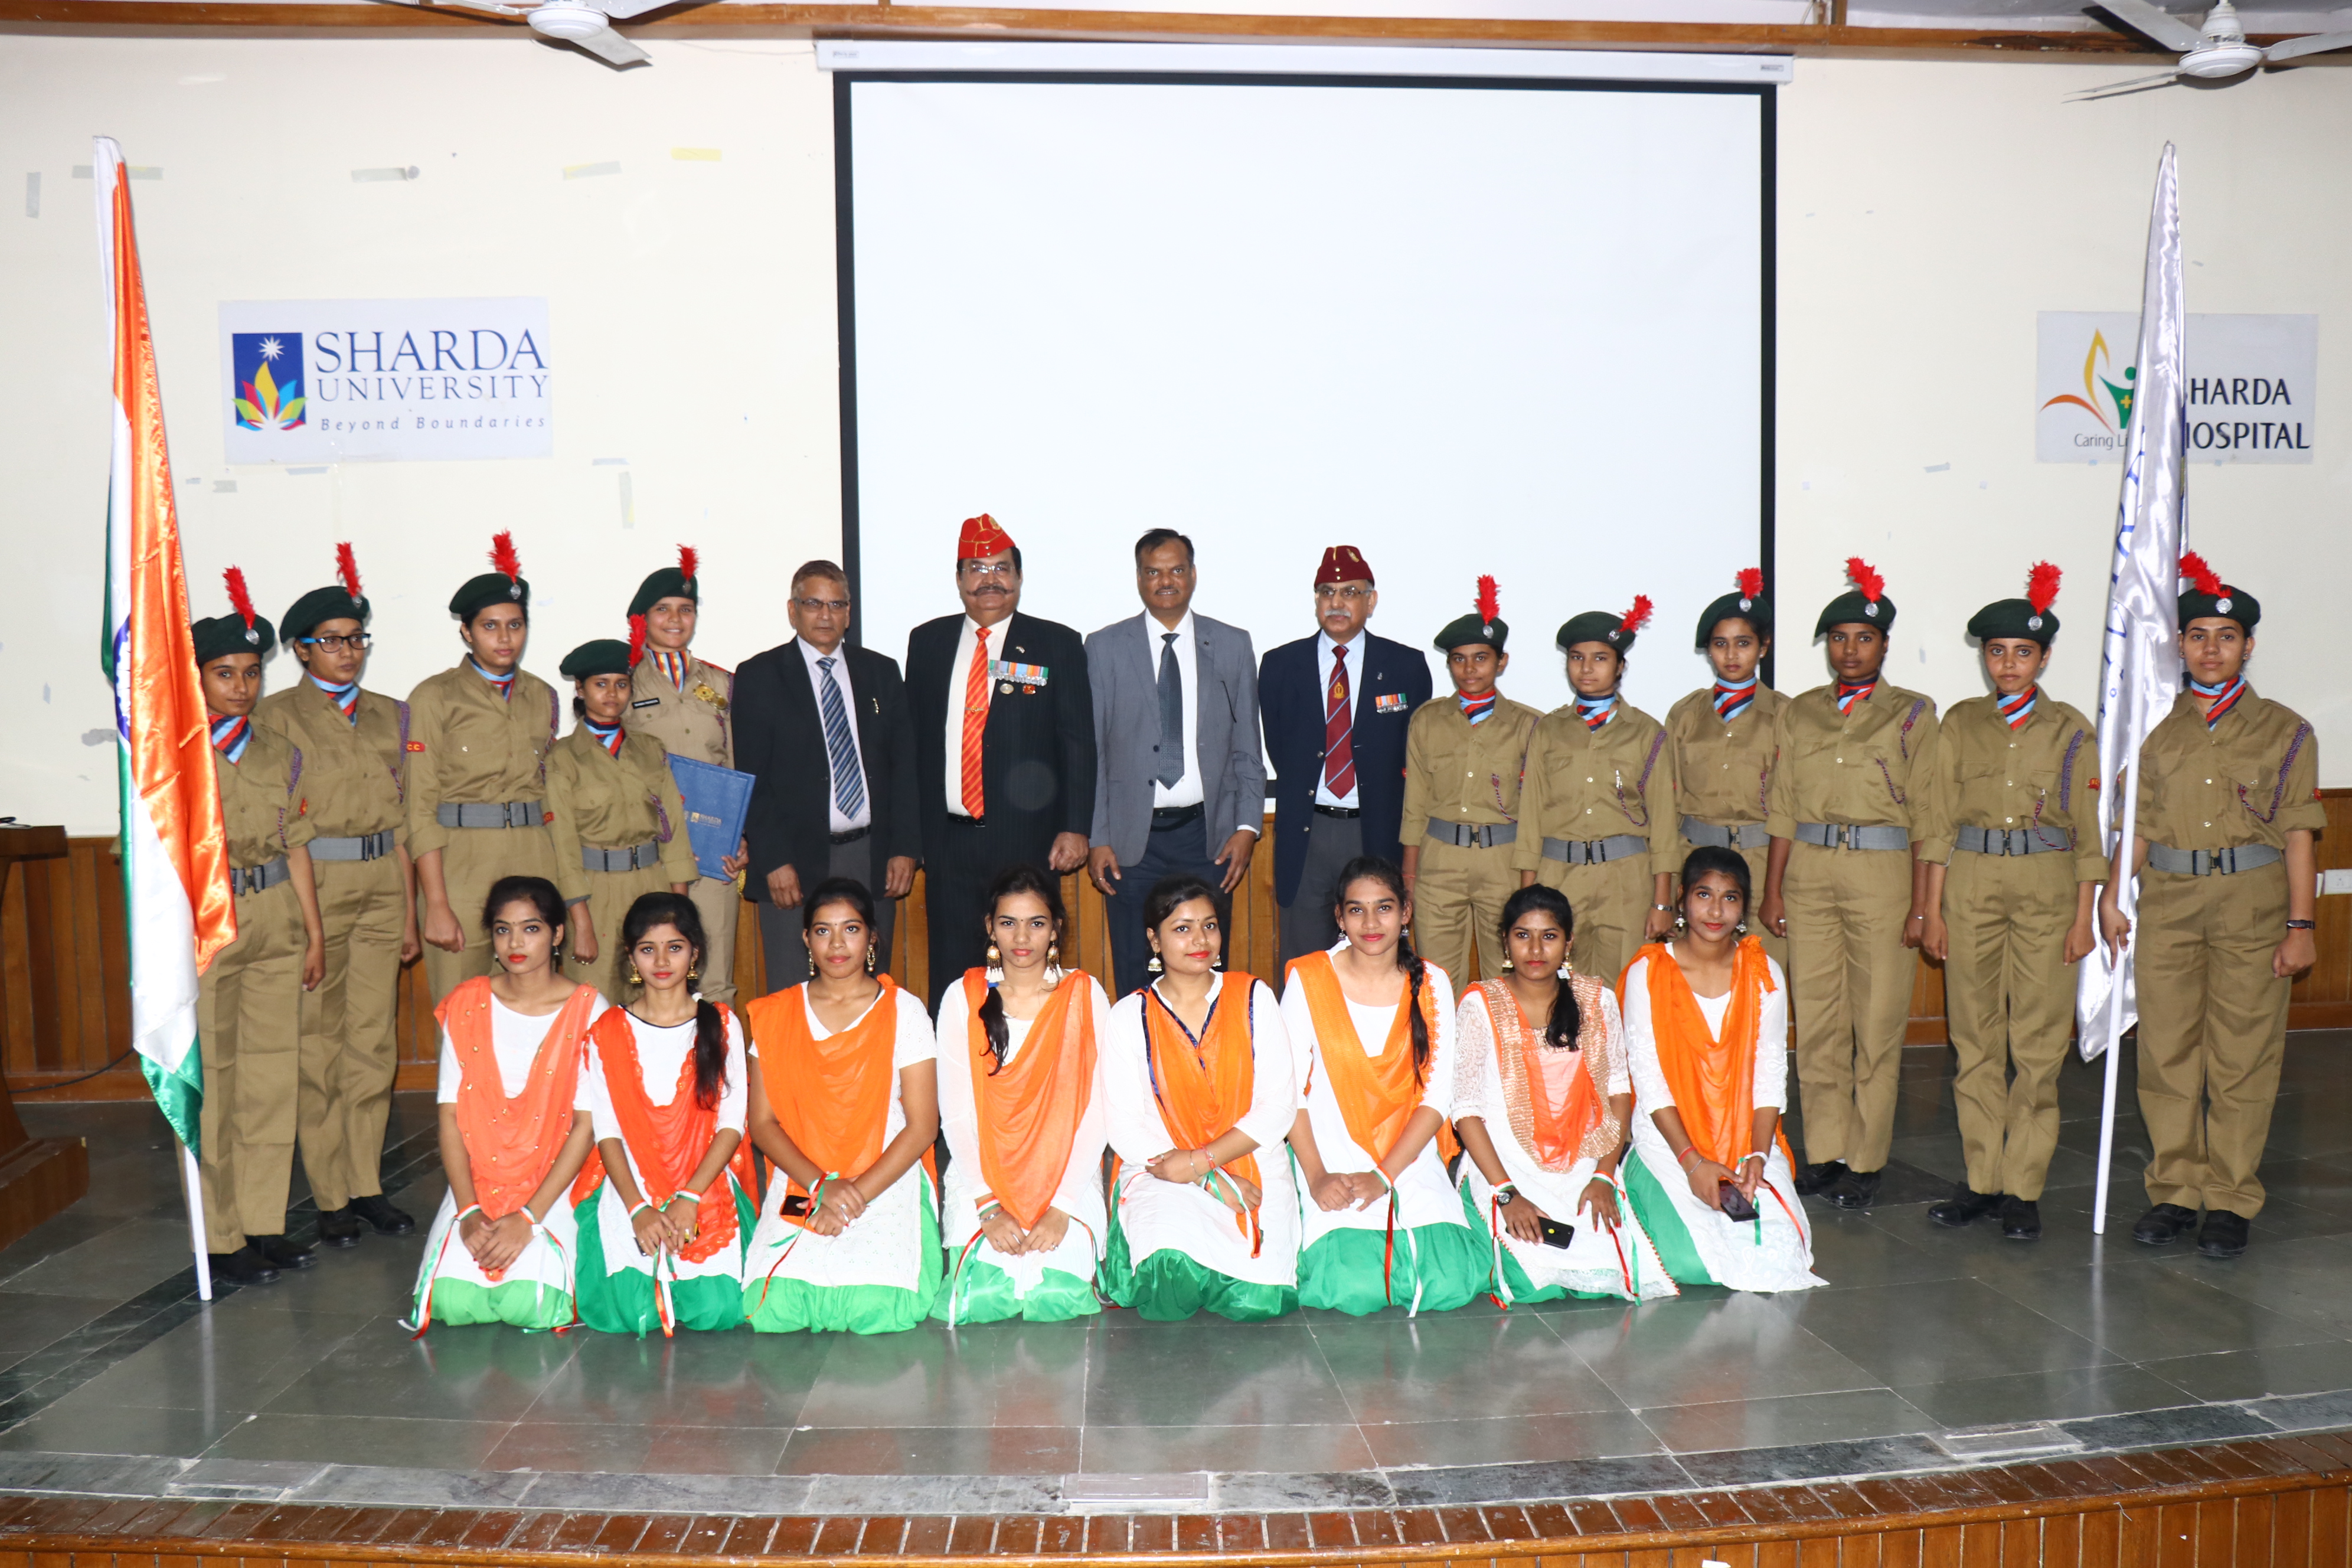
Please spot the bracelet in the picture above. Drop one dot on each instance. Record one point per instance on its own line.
(1758, 1158)
(642, 1206)
(1664, 909)
(1684, 1157)
(469, 1208)
(695, 1198)
(2299, 925)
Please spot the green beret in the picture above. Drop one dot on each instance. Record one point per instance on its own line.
(1595, 626)
(319, 605)
(2014, 618)
(668, 582)
(606, 656)
(2230, 604)
(491, 588)
(1852, 608)
(1754, 609)
(225, 634)
(1465, 630)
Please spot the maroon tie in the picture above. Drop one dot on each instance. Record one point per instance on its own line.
(1339, 730)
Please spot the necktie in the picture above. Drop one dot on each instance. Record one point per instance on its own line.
(230, 737)
(1597, 710)
(502, 684)
(2219, 700)
(1477, 710)
(608, 736)
(2019, 708)
(347, 698)
(975, 723)
(1731, 701)
(1338, 730)
(1847, 695)
(841, 746)
(1172, 712)
(672, 665)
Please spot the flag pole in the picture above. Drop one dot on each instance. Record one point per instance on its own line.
(2123, 857)
(192, 1177)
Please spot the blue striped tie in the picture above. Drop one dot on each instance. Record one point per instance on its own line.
(841, 747)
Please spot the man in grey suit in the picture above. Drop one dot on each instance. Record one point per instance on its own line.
(1178, 767)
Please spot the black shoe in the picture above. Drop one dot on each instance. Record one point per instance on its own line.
(243, 1267)
(1856, 1190)
(280, 1253)
(2164, 1225)
(1964, 1206)
(2224, 1234)
(338, 1227)
(2021, 1219)
(1814, 1180)
(387, 1219)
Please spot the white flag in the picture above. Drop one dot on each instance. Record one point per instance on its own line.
(2140, 660)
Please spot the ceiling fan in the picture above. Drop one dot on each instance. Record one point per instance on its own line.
(2215, 51)
(587, 24)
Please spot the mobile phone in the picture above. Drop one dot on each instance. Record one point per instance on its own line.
(1555, 1233)
(1734, 1203)
(796, 1205)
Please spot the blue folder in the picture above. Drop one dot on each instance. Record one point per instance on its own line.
(717, 800)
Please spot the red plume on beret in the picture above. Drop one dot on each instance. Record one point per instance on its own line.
(636, 640)
(347, 570)
(1639, 616)
(238, 598)
(503, 558)
(686, 562)
(1751, 583)
(1490, 604)
(2201, 577)
(2042, 586)
(1865, 578)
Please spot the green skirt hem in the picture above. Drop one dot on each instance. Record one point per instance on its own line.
(523, 1303)
(1521, 1288)
(1342, 1272)
(773, 1304)
(984, 1293)
(1169, 1286)
(621, 1301)
(1654, 1208)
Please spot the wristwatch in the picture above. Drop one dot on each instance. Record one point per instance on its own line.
(2299, 925)
(1507, 1194)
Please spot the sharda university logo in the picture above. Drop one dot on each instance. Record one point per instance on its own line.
(267, 370)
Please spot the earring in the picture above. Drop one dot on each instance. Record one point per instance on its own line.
(995, 966)
(692, 975)
(1740, 930)
(870, 956)
(1053, 964)
(636, 978)
(1507, 965)
(1681, 924)
(1153, 967)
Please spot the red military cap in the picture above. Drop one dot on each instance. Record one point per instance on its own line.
(1343, 563)
(983, 537)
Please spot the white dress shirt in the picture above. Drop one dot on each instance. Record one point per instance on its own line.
(958, 673)
(839, 676)
(1324, 663)
(1187, 790)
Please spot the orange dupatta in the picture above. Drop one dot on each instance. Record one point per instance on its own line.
(1204, 1085)
(1029, 1109)
(667, 1141)
(1558, 1129)
(1376, 1095)
(512, 1142)
(831, 1096)
(1713, 1080)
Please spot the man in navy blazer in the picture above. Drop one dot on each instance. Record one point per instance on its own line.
(1336, 707)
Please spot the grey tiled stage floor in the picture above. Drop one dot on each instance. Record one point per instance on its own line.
(104, 1352)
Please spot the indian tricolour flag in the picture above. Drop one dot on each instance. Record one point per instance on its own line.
(175, 851)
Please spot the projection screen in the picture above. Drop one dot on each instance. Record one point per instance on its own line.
(1466, 323)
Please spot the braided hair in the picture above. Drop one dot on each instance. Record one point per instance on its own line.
(1047, 889)
(676, 910)
(1380, 869)
(1565, 1022)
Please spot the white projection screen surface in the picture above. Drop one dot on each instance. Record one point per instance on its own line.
(1466, 325)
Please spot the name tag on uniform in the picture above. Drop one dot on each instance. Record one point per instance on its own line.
(647, 702)
(1009, 674)
(1387, 702)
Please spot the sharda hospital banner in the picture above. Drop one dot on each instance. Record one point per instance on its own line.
(327, 381)
(2250, 388)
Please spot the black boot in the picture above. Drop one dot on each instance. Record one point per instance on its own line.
(280, 1253)
(1856, 1190)
(1964, 1206)
(243, 1267)
(1815, 1179)
(2164, 1225)
(2021, 1219)
(379, 1213)
(338, 1227)
(2224, 1234)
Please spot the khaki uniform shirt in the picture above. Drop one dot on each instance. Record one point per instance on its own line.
(1459, 772)
(694, 722)
(2043, 776)
(1723, 772)
(2251, 779)
(1874, 767)
(259, 807)
(467, 745)
(354, 770)
(1585, 784)
(605, 802)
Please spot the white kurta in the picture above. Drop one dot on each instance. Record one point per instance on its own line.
(1598, 1260)
(1780, 1256)
(661, 1054)
(1156, 1215)
(1080, 1194)
(884, 1245)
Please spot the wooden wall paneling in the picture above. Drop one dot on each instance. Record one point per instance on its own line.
(2322, 999)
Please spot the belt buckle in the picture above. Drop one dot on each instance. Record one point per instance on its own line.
(1842, 836)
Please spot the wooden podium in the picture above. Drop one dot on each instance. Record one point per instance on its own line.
(40, 1177)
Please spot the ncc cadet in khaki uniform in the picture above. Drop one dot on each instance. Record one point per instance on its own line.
(354, 746)
(1851, 796)
(2227, 809)
(683, 704)
(1596, 813)
(2018, 826)
(479, 736)
(1464, 756)
(249, 1001)
(1720, 736)
(618, 825)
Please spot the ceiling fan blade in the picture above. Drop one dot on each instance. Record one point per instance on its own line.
(2153, 22)
(2118, 89)
(622, 10)
(612, 48)
(2311, 44)
(492, 7)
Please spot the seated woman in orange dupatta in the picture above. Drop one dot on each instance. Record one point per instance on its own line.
(1200, 1091)
(665, 1203)
(1372, 1028)
(844, 1102)
(501, 1248)
(1706, 1016)
(1021, 1106)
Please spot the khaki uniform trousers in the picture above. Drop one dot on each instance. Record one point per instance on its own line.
(2008, 999)
(349, 1050)
(249, 1029)
(1458, 895)
(1611, 904)
(719, 905)
(474, 859)
(609, 894)
(1846, 910)
(2213, 1032)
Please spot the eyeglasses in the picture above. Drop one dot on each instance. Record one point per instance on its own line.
(976, 571)
(1347, 592)
(357, 642)
(810, 606)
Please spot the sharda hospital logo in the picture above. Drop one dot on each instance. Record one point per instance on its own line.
(2107, 401)
(267, 370)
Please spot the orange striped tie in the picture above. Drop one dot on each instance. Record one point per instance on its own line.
(975, 721)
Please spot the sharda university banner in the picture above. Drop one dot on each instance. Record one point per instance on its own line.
(2252, 385)
(327, 381)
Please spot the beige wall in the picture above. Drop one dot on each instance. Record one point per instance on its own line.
(1926, 212)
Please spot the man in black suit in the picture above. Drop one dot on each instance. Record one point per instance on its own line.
(1004, 734)
(827, 731)
(1336, 708)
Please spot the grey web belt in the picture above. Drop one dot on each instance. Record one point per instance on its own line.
(256, 879)
(1469, 836)
(2012, 840)
(2208, 862)
(490, 813)
(1594, 851)
(1845, 835)
(369, 847)
(635, 857)
(1746, 835)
